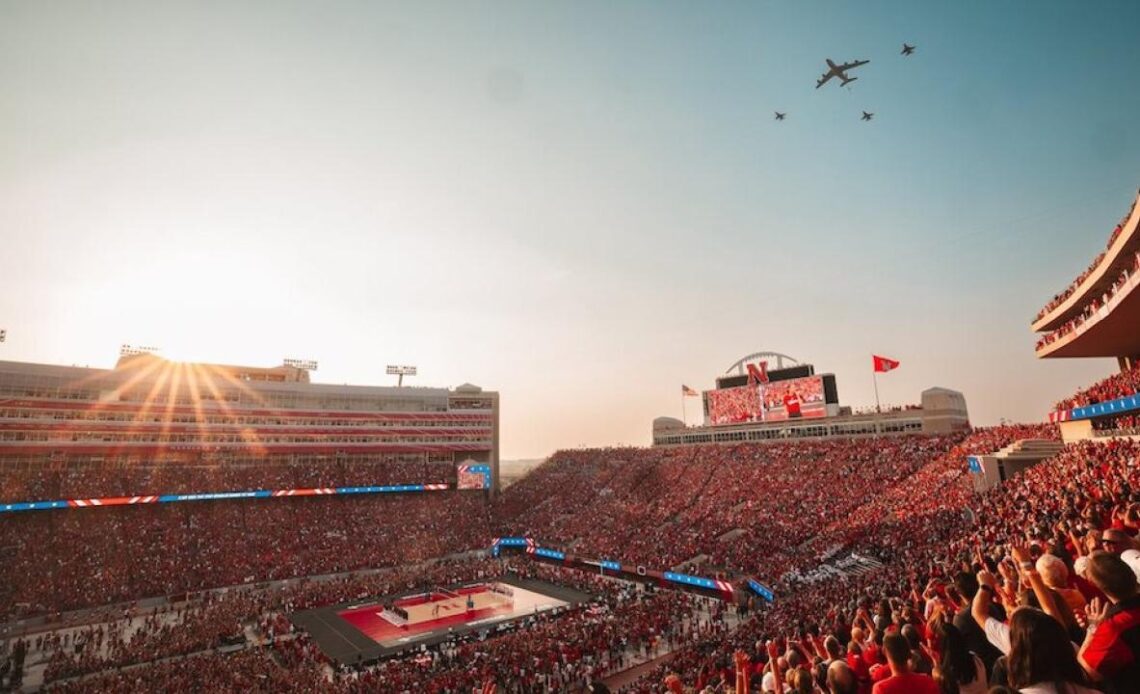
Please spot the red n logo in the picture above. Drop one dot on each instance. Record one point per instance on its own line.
(757, 375)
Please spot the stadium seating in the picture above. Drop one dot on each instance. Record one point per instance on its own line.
(1118, 385)
(114, 478)
(1063, 295)
(889, 503)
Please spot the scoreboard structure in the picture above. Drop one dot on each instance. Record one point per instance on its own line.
(758, 393)
(768, 396)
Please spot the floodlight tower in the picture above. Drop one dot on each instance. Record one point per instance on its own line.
(401, 371)
(302, 364)
(134, 350)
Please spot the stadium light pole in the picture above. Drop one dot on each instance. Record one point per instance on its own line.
(401, 371)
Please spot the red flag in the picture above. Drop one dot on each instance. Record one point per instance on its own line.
(883, 364)
(688, 392)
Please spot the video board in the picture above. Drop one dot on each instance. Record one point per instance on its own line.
(734, 405)
(768, 402)
(473, 476)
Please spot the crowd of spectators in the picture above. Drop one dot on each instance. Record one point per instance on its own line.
(555, 651)
(88, 479)
(1120, 425)
(1037, 587)
(66, 560)
(772, 511)
(664, 506)
(1118, 385)
(1095, 304)
(254, 670)
(1069, 290)
(127, 636)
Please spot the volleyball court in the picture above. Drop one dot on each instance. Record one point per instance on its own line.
(412, 616)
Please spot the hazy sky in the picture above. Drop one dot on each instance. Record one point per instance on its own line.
(582, 205)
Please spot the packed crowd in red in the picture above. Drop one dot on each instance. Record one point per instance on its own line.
(1094, 305)
(1068, 291)
(1118, 385)
(550, 652)
(213, 619)
(64, 560)
(101, 479)
(900, 500)
(556, 652)
(664, 506)
(1064, 510)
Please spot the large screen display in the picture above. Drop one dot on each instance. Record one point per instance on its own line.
(734, 405)
(768, 402)
(473, 476)
(798, 397)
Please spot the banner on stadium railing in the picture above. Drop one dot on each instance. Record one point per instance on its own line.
(100, 502)
(723, 589)
(1117, 406)
(700, 582)
(974, 464)
(761, 590)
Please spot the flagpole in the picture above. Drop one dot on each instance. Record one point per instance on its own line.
(875, 379)
(684, 416)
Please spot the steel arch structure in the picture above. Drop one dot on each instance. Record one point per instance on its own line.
(739, 366)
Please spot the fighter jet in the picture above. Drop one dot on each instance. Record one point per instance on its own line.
(907, 49)
(867, 116)
(839, 71)
(780, 116)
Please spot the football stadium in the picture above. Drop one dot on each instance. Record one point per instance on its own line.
(171, 525)
(842, 521)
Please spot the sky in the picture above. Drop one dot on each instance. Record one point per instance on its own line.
(581, 205)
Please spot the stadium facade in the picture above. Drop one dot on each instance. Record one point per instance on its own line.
(754, 403)
(1097, 315)
(148, 410)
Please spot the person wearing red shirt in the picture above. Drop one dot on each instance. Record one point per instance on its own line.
(902, 680)
(1111, 650)
(792, 404)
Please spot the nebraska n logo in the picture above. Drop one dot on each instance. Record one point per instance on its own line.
(757, 374)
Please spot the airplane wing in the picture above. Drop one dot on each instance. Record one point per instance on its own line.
(824, 78)
(854, 64)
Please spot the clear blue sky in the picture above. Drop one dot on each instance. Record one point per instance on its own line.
(580, 204)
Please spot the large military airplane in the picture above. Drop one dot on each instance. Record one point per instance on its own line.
(839, 71)
(867, 116)
(907, 49)
(780, 116)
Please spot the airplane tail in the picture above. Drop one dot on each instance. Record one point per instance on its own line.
(849, 79)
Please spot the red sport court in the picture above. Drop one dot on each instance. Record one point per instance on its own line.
(440, 609)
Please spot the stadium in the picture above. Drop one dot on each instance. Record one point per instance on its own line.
(874, 479)
(619, 568)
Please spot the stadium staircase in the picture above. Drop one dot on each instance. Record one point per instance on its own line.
(1012, 460)
(1030, 449)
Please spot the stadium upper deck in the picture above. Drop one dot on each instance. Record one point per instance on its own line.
(149, 410)
(1096, 315)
